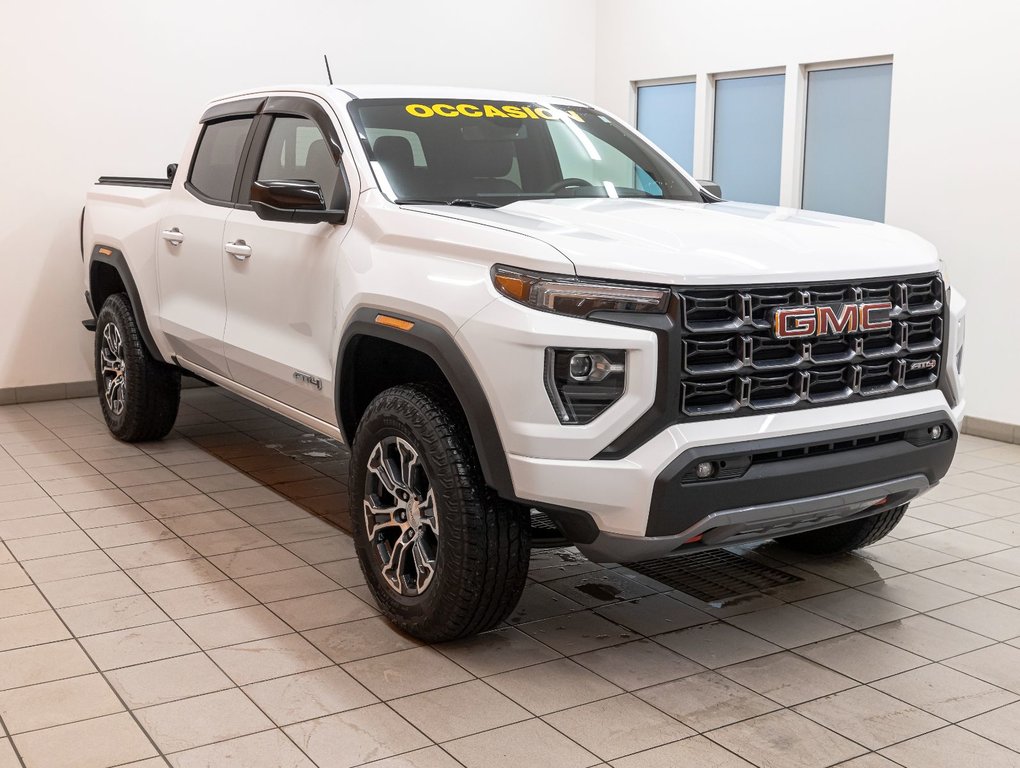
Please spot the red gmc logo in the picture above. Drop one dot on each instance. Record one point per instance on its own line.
(830, 320)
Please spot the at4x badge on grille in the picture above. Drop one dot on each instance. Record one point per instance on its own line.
(830, 319)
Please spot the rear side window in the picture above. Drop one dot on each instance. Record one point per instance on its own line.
(218, 156)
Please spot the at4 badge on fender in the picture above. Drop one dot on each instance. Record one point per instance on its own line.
(830, 319)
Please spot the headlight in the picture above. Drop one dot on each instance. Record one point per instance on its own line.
(566, 295)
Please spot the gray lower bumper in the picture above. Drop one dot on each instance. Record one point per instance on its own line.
(759, 522)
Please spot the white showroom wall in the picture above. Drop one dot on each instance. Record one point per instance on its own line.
(954, 152)
(114, 86)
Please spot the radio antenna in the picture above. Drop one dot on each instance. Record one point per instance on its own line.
(329, 74)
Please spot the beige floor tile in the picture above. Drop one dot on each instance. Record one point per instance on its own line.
(356, 736)
(105, 741)
(638, 664)
(52, 545)
(68, 566)
(36, 526)
(322, 610)
(74, 502)
(13, 575)
(539, 602)
(110, 615)
(269, 749)
(958, 543)
(552, 686)
(309, 695)
(233, 540)
(906, 556)
(305, 528)
(407, 672)
(1007, 560)
(322, 550)
(916, 592)
(706, 701)
(695, 751)
(861, 657)
(999, 726)
(275, 512)
(205, 468)
(928, 637)
(158, 682)
(787, 678)
(459, 710)
(619, 726)
(252, 562)
(130, 533)
(228, 482)
(204, 522)
(498, 651)
(788, 626)
(986, 617)
(18, 601)
(62, 471)
(785, 739)
(430, 757)
(213, 597)
(855, 609)
(231, 627)
(870, 717)
(103, 517)
(346, 573)
(31, 629)
(1002, 531)
(49, 459)
(152, 553)
(141, 477)
(529, 743)
(973, 577)
(872, 760)
(578, 632)
(57, 703)
(264, 659)
(182, 573)
(127, 647)
(716, 645)
(184, 505)
(8, 758)
(202, 720)
(653, 615)
(996, 664)
(282, 585)
(18, 510)
(168, 489)
(945, 692)
(43, 663)
(951, 747)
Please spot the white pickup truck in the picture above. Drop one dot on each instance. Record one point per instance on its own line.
(510, 305)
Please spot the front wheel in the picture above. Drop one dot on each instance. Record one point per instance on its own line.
(845, 537)
(138, 394)
(442, 555)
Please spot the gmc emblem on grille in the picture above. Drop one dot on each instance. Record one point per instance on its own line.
(831, 320)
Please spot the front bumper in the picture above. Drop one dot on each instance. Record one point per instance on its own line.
(646, 506)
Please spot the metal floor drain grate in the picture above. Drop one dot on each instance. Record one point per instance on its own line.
(713, 575)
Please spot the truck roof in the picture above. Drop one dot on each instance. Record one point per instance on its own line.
(395, 91)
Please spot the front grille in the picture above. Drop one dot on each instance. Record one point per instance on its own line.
(733, 365)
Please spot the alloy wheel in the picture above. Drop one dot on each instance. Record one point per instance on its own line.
(114, 369)
(400, 516)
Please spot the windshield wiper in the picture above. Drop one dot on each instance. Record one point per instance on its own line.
(462, 201)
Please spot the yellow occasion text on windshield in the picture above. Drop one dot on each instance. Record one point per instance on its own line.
(490, 110)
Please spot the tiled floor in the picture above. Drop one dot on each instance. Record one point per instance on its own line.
(182, 602)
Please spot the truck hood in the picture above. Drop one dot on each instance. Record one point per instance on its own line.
(676, 242)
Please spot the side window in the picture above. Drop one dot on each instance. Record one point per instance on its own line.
(217, 158)
(296, 149)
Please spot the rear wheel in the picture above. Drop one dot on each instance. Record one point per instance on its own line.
(846, 537)
(139, 395)
(442, 555)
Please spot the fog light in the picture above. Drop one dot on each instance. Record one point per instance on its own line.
(584, 383)
(592, 366)
(705, 470)
(935, 432)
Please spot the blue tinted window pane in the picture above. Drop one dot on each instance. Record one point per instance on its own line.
(847, 141)
(749, 138)
(666, 116)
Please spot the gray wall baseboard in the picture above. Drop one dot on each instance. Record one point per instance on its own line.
(993, 430)
(38, 393)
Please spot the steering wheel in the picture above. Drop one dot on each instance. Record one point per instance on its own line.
(573, 181)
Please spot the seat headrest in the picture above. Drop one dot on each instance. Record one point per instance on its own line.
(393, 152)
(489, 159)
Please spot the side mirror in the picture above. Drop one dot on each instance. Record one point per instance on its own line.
(711, 187)
(294, 200)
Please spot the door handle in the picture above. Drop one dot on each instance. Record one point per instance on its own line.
(173, 236)
(239, 249)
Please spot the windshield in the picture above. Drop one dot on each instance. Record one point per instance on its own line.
(490, 154)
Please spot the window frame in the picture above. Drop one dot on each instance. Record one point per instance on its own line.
(206, 123)
(699, 117)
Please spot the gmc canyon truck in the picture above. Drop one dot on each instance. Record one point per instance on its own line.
(507, 305)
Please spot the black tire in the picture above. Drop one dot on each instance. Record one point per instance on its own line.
(150, 390)
(481, 544)
(845, 537)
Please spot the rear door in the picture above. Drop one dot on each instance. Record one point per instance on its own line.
(281, 277)
(189, 247)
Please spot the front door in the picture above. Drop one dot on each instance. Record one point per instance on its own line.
(189, 247)
(281, 277)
